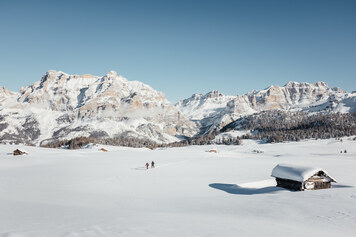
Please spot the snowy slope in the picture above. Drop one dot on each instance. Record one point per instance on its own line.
(200, 106)
(343, 103)
(191, 192)
(5, 95)
(63, 106)
(293, 96)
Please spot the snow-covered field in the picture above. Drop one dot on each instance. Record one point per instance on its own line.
(191, 192)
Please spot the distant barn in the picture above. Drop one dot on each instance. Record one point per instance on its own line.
(301, 178)
(17, 152)
(103, 150)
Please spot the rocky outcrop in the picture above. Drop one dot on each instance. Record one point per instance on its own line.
(5, 94)
(199, 106)
(62, 106)
(215, 110)
(67, 106)
(291, 96)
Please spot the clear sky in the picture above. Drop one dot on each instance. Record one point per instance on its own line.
(182, 47)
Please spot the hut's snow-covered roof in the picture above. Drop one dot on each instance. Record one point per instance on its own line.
(297, 173)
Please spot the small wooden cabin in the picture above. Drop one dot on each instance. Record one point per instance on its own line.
(103, 150)
(301, 178)
(17, 152)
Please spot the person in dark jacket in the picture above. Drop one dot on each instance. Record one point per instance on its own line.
(152, 164)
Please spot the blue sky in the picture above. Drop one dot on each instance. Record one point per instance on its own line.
(182, 47)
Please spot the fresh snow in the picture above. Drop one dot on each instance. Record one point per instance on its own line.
(295, 172)
(215, 110)
(231, 134)
(61, 104)
(200, 106)
(191, 192)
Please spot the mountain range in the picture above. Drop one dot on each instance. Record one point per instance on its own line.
(214, 110)
(62, 106)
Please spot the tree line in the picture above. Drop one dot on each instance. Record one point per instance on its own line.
(270, 126)
(280, 126)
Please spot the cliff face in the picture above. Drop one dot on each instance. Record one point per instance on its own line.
(200, 106)
(5, 94)
(63, 106)
(293, 96)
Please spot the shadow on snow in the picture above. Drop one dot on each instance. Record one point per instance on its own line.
(341, 186)
(236, 189)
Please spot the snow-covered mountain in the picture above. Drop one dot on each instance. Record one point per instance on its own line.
(5, 94)
(63, 106)
(214, 112)
(198, 106)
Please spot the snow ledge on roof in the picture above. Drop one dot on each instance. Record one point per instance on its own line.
(297, 173)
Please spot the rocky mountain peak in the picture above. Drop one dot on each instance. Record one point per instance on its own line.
(321, 84)
(213, 94)
(293, 84)
(52, 75)
(112, 74)
(63, 106)
(67, 106)
(199, 106)
(197, 97)
(214, 110)
(5, 92)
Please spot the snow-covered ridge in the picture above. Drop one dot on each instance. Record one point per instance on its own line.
(200, 106)
(5, 94)
(60, 91)
(213, 112)
(63, 106)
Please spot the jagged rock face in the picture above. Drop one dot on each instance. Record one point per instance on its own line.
(199, 106)
(5, 94)
(62, 92)
(62, 106)
(292, 96)
(66, 106)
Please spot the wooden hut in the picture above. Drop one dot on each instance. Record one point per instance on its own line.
(103, 150)
(17, 152)
(301, 178)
